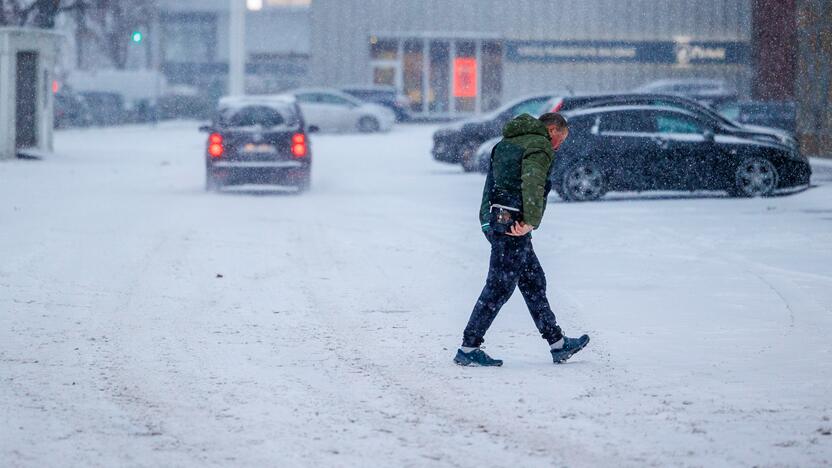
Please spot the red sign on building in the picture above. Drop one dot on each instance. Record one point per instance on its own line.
(465, 77)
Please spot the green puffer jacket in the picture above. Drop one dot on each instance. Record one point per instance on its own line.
(520, 165)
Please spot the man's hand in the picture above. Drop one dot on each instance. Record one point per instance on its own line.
(520, 229)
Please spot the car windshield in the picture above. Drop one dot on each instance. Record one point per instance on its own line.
(255, 116)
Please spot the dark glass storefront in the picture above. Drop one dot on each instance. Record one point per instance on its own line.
(442, 77)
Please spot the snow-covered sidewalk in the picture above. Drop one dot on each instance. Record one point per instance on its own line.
(144, 322)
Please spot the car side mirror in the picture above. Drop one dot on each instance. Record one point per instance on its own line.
(709, 135)
(206, 128)
(313, 129)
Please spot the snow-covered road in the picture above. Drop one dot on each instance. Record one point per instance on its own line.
(145, 322)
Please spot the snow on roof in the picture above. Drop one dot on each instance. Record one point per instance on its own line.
(641, 107)
(265, 100)
(317, 90)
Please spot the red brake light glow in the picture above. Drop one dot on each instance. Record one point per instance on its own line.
(299, 145)
(215, 148)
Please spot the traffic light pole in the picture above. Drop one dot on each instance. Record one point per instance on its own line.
(237, 48)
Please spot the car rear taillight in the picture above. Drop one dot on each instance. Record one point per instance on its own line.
(299, 145)
(557, 106)
(215, 148)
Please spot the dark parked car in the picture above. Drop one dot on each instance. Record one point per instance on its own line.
(387, 96)
(257, 140)
(777, 114)
(702, 112)
(457, 143)
(640, 148)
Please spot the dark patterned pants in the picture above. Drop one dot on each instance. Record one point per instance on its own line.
(513, 264)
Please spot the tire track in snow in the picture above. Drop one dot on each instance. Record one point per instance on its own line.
(426, 395)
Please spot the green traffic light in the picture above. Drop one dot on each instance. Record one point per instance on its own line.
(137, 36)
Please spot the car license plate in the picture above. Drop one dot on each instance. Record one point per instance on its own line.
(250, 148)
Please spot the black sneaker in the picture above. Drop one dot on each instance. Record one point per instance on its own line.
(477, 357)
(570, 347)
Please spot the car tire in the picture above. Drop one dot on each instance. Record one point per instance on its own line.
(582, 181)
(754, 177)
(468, 158)
(368, 125)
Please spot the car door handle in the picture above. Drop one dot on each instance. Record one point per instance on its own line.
(660, 142)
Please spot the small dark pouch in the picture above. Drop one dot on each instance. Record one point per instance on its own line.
(502, 219)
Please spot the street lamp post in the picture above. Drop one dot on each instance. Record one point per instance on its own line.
(237, 48)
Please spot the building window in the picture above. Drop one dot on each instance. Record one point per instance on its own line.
(442, 76)
(384, 55)
(383, 49)
(414, 60)
(491, 75)
(465, 70)
(189, 38)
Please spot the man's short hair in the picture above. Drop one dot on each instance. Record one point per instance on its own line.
(554, 119)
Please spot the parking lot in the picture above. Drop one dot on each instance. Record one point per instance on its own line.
(145, 320)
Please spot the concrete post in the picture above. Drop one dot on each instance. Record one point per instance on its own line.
(7, 99)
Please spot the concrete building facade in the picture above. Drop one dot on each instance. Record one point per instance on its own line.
(194, 43)
(455, 57)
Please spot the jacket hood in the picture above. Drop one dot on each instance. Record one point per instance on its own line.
(524, 124)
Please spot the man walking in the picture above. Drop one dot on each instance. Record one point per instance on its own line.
(513, 203)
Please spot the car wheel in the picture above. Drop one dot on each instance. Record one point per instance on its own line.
(469, 158)
(755, 177)
(368, 125)
(582, 181)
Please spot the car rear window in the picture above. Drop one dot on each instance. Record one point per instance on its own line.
(262, 116)
(627, 121)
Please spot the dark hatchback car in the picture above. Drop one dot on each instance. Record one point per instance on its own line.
(257, 140)
(641, 148)
(386, 96)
